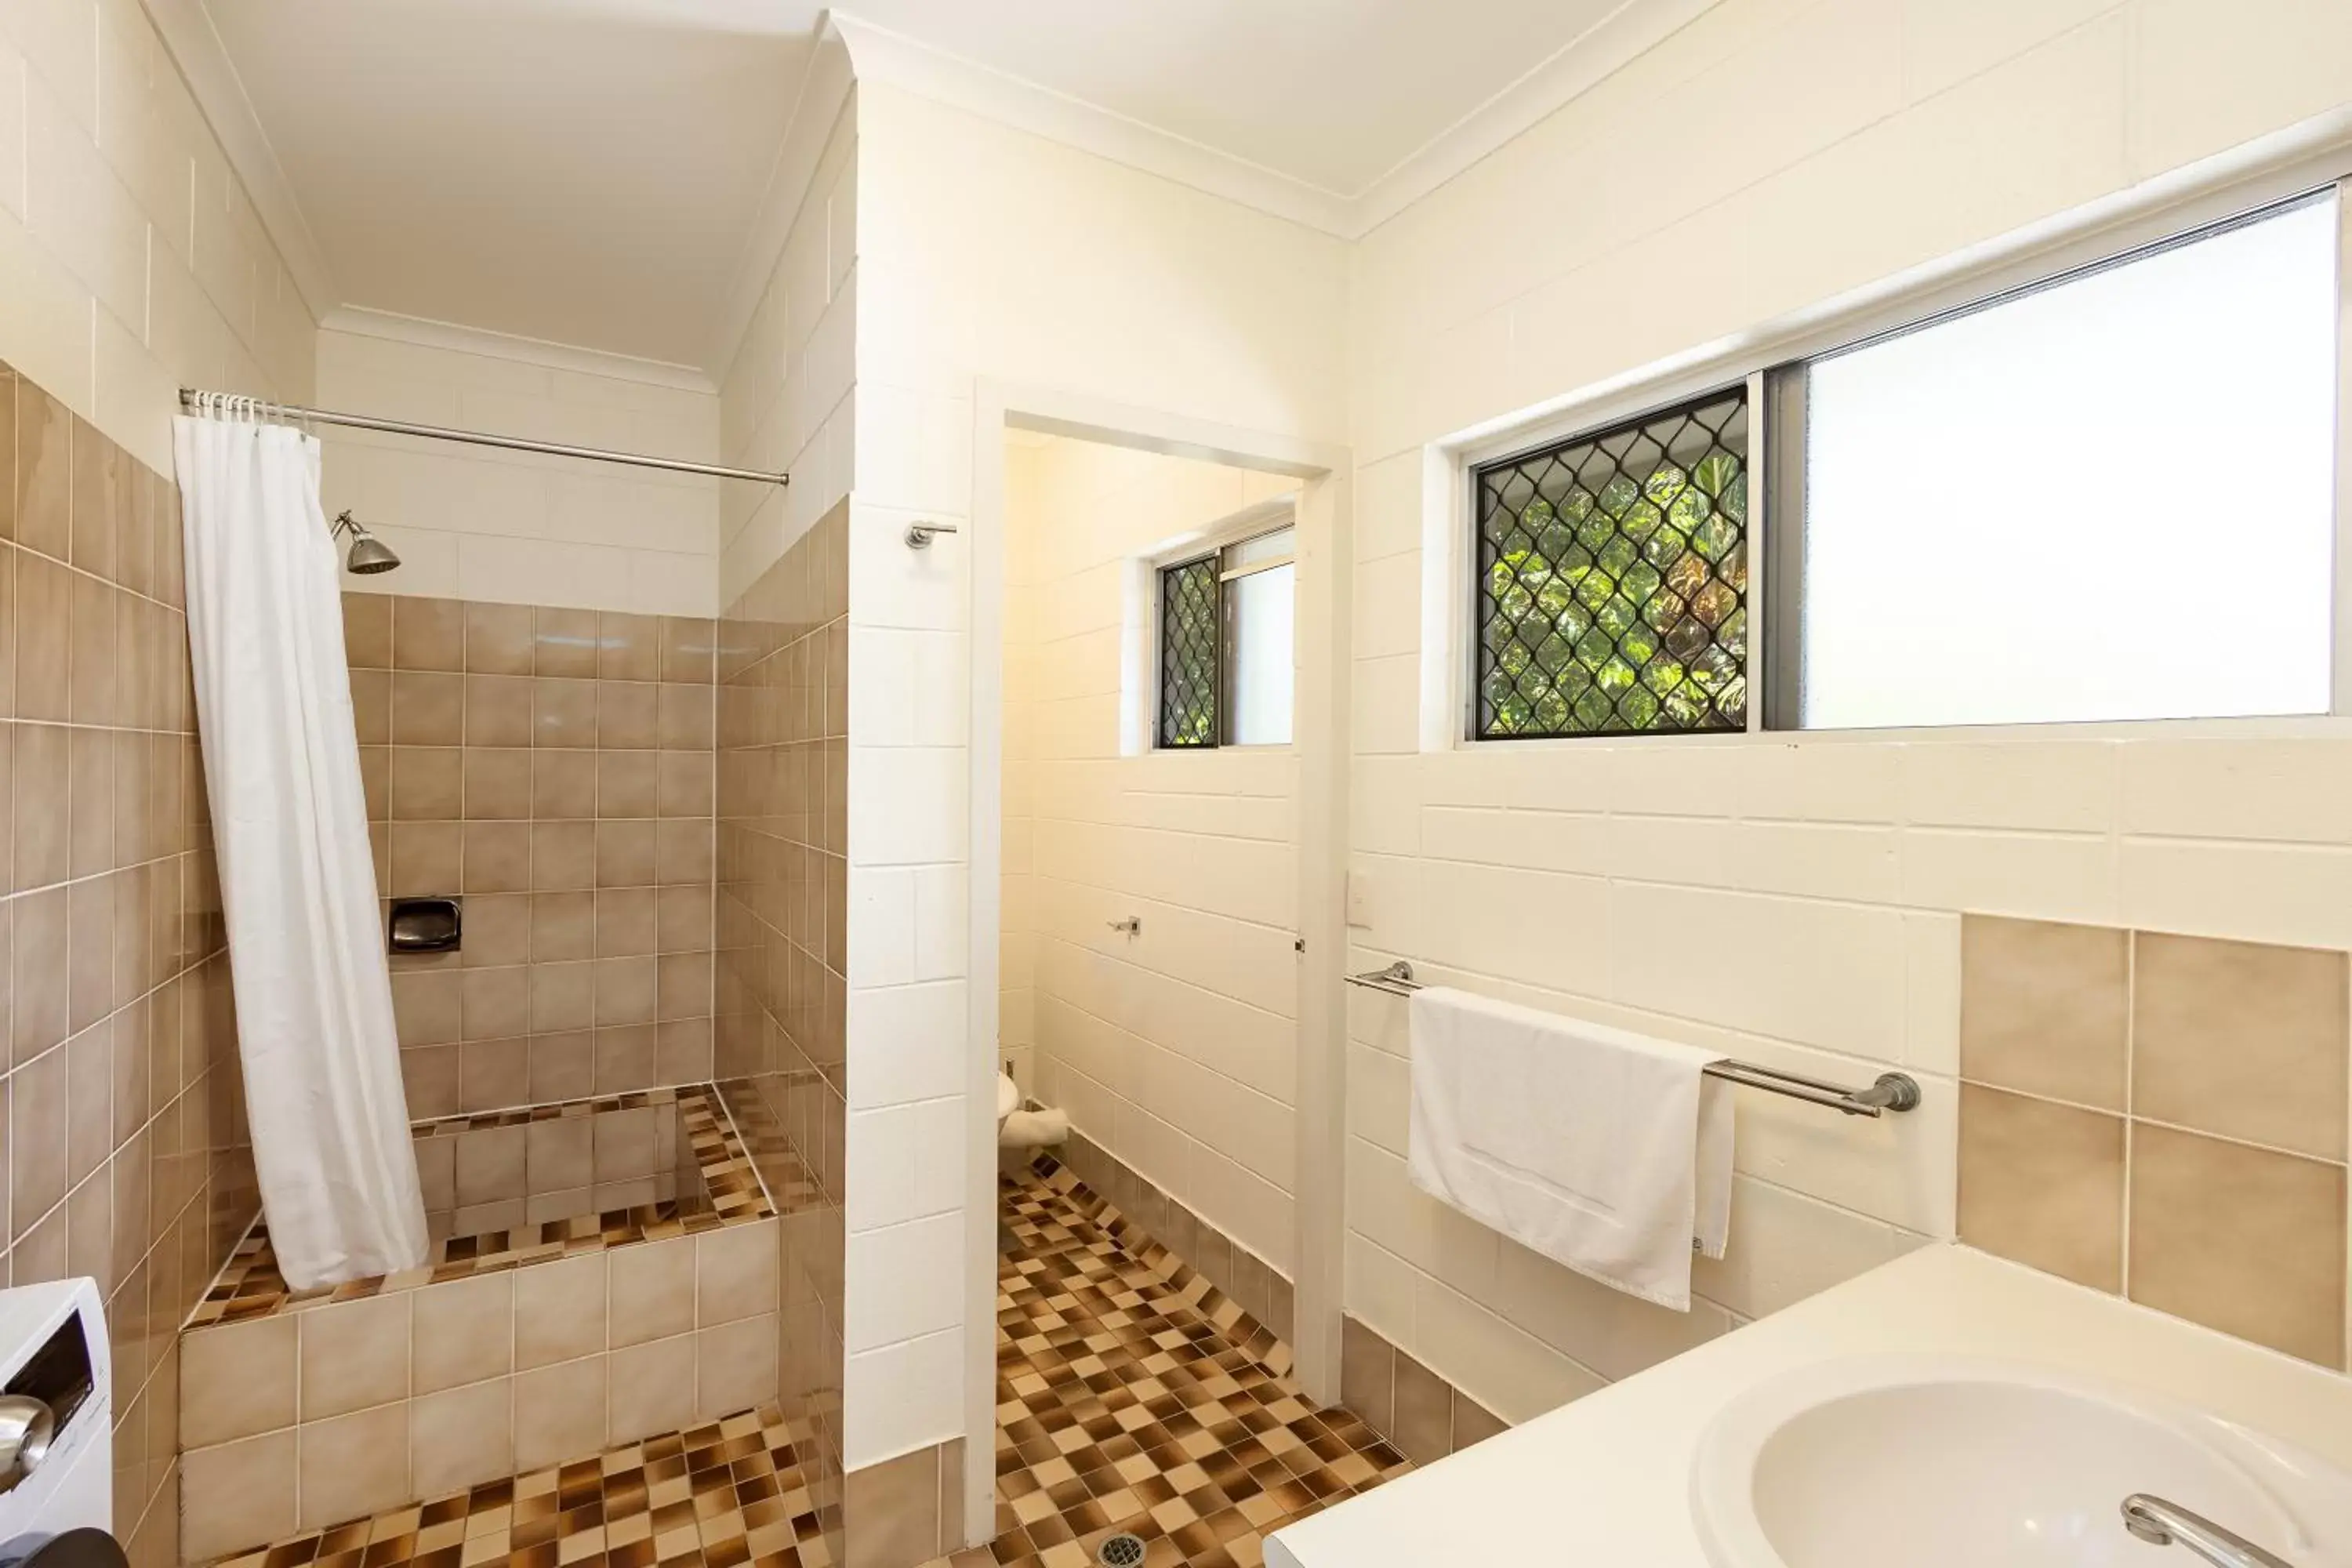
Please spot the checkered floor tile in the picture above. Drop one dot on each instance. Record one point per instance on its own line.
(720, 1496)
(1132, 1398)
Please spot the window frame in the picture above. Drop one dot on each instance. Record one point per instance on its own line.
(1769, 359)
(1262, 521)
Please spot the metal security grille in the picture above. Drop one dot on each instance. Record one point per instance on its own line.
(1188, 653)
(1613, 580)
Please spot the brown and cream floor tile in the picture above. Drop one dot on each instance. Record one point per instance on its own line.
(1134, 1398)
(725, 1495)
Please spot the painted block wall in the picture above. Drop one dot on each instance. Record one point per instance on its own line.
(1769, 157)
(984, 251)
(522, 527)
(1174, 1050)
(131, 262)
(785, 401)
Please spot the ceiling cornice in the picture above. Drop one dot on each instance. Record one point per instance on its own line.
(914, 67)
(1570, 72)
(881, 55)
(194, 46)
(425, 332)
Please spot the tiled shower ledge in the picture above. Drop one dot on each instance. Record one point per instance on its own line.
(250, 1286)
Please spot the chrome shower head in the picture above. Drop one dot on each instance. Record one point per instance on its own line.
(368, 554)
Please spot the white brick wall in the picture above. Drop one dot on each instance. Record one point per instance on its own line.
(131, 260)
(1177, 1050)
(984, 251)
(1790, 900)
(497, 526)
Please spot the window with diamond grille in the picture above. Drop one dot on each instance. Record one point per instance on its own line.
(1613, 580)
(1188, 653)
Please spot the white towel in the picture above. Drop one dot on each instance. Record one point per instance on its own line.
(1608, 1150)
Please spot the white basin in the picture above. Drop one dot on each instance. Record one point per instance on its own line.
(1943, 1462)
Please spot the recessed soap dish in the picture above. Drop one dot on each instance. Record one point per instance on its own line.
(425, 925)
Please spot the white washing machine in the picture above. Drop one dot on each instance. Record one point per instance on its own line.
(56, 1429)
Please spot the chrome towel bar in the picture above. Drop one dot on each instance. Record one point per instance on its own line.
(1893, 1092)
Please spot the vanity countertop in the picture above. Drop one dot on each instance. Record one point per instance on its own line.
(1607, 1479)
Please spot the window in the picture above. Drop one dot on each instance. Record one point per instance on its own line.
(1613, 580)
(1226, 648)
(2112, 496)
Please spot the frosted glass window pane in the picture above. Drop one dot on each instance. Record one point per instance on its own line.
(2110, 499)
(1263, 655)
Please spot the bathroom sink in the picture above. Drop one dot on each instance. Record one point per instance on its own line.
(1938, 1462)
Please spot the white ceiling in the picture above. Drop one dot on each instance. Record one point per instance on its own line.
(590, 172)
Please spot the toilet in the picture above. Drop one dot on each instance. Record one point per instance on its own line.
(1019, 1134)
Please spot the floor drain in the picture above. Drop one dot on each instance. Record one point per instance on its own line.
(1120, 1551)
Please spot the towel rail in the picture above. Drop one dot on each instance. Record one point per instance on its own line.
(1893, 1092)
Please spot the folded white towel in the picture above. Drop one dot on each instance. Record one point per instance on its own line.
(1608, 1150)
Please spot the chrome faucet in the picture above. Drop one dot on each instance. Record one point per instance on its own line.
(2162, 1524)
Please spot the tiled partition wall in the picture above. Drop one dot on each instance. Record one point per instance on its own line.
(782, 944)
(125, 1110)
(554, 769)
(2163, 1117)
(333, 1409)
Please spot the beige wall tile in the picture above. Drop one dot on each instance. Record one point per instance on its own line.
(236, 1380)
(498, 640)
(367, 630)
(891, 1512)
(653, 1388)
(1367, 1375)
(490, 1164)
(653, 1287)
(428, 634)
(427, 710)
(2243, 1240)
(1424, 1413)
(565, 642)
(461, 1437)
(355, 1354)
(499, 711)
(558, 1412)
(1473, 1422)
(354, 1466)
(559, 1310)
(236, 1495)
(735, 1273)
(2043, 1184)
(735, 1367)
(2241, 1039)
(2043, 1008)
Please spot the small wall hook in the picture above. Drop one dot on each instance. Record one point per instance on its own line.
(1132, 925)
(920, 534)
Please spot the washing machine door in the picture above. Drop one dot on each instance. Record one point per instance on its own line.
(83, 1548)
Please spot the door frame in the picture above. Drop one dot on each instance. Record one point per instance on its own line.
(1320, 738)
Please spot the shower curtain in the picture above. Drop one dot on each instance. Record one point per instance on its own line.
(322, 1081)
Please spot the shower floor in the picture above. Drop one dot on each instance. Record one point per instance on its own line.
(1132, 1396)
(723, 1495)
(719, 1187)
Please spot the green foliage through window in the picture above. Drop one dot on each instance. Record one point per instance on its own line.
(1188, 653)
(1613, 580)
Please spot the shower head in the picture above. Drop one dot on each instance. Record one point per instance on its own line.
(368, 554)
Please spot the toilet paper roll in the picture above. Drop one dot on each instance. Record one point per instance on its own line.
(1034, 1129)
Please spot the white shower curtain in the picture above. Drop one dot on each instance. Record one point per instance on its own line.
(323, 1082)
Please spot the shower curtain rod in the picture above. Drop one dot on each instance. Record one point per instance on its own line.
(196, 402)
